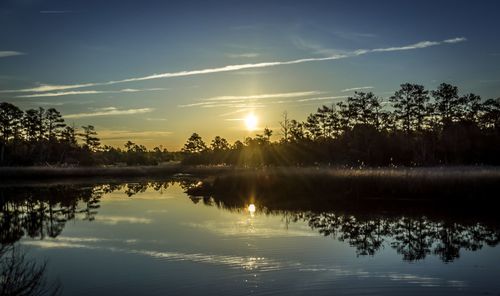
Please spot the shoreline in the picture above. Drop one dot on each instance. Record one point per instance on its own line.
(43, 172)
(39, 172)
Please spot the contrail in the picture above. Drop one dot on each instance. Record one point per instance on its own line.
(230, 68)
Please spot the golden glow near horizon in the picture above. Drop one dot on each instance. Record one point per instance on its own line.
(251, 122)
(251, 209)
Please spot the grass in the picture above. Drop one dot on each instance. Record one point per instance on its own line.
(22, 173)
(283, 185)
(455, 184)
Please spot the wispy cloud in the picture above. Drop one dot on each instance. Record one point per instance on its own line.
(194, 104)
(235, 112)
(240, 228)
(233, 101)
(243, 55)
(418, 45)
(235, 105)
(56, 11)
(10, 53)
(251, 102)
(264, 96)
(126, 134)
(113, 220)
(357, 88)
(49, 87)
(230, 68)
(423, 44)
(455, 40)
(87, 92)
(248, 263)
(315, 48)
(322, 98)
(48, 244)
(67, 93)
(155, 119)
(356, 36)
(52, 103)
(109, 111)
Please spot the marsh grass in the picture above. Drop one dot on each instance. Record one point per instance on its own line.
(306, 187)
(21, 173)
(310, 185)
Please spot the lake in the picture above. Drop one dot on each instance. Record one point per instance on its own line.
(143, 237)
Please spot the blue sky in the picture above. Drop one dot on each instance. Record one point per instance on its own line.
(95, 60)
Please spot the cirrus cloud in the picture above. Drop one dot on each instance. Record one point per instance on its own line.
(109, 111)
(357, 88)
(236, 67)
(10, 53)
(87, 92)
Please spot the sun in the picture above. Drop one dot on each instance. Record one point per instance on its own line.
(251, 209)
(251, 122)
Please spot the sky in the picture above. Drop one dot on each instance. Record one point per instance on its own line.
(154, 72)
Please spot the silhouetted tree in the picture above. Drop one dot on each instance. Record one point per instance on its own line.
(410, 103)
(285, 127)
(364, 108)
(194, 144)
(447, 103)
(10, 120)
(54, 122)
(490, 115)
(89, 137)
(68, 136)
(32, 123)
(469, 108)
(268, 133)
(41, 124)
(296, 131)
(453, 129)
(219, 144)
(237, 145)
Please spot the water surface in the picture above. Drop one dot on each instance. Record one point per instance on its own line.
(151, 238)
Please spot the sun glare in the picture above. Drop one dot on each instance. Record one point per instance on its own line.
(251, 122)
(251, 209)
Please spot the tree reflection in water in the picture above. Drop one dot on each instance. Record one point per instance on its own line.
(22, 276)
(38, 212)
(442, 222)
(413, 238)
(41, 211)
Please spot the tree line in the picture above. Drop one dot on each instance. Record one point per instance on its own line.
(41, 137)
(413, 127)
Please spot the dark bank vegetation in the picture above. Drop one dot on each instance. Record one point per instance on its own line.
(415, 127)
(50, 173)
(41, 137)
(309, 187)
